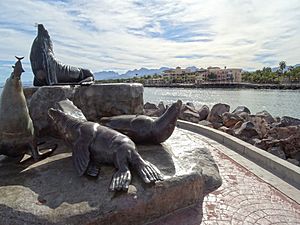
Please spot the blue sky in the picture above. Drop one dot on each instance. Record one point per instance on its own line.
(121, 35)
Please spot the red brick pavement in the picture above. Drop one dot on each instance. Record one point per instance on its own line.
(245, 199)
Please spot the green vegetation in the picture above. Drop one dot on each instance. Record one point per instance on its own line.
(266, 76)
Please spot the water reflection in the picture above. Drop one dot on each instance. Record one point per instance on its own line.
(277, 102)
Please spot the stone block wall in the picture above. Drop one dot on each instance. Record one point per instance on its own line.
(95, 101)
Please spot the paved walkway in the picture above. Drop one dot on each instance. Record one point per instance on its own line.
(246, 199)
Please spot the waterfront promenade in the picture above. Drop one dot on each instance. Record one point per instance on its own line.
(245, 198)
(249, 195)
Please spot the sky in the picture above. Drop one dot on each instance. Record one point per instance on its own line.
(120, 35)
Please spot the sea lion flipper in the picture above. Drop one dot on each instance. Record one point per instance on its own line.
(93, 170)
(81, 155)
(120, 181)
(35, 151)
(148, 172)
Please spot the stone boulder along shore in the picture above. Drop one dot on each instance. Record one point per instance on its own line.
(279, 136)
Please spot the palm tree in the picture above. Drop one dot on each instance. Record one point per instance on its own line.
(282, 66)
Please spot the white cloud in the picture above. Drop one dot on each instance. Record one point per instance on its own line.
(122, 35)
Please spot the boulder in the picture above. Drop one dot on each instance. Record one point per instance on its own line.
(284, 132)
(190, 104)
(246, 132)
(151, 109)
(28, 92)
(190, 116)
(161, 108)
(241, 109)
(294, 161)
(189, 113)
(51, 192)
(226, 130)
(215, 114)
(203, 112)
(96, 101)
(277, 151)
(217, 125)
(266, 143)
(287, 121)
(262, 122)
(289, 138)
(151, 106)
(244, 116)
(43, 99)
(230, 119)
(237, 125)
(266, 116)
(205, 123)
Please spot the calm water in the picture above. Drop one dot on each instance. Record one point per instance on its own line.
(276, 102)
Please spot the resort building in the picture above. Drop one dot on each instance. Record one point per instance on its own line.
(223, 75)
(211, 74)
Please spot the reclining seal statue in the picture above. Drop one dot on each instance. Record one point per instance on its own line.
(48, 70)
(93, 145)
(144, 129)
(16, 127)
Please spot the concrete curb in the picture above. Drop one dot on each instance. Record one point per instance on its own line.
(277, 166)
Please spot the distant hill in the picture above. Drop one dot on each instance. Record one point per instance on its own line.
(193, 68)
(104, 75)
(274, 69)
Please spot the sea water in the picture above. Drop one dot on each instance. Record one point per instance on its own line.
(277, 102)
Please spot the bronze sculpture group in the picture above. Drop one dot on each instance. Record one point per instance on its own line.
(112, 142)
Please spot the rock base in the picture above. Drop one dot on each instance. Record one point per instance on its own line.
(50, 192)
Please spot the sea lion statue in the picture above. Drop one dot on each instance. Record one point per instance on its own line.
(93, 145)
(48, 70)
(16, 127)
(144, 129)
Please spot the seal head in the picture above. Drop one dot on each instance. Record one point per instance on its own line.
(144, 129)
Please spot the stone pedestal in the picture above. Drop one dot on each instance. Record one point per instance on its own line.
(50, 192)
(95, 101)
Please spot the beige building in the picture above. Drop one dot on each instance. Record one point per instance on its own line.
(211, 74)
(175, 73)
(222, 75)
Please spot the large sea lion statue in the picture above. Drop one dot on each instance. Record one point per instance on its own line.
(16, 127)
(48, 70)
(144, 129)
(93, 145)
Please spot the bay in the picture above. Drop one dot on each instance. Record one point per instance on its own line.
(276, 102)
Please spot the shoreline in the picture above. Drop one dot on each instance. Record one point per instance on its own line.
(230, 85)
(224, 85)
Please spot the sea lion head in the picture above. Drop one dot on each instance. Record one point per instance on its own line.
(58, 117)
(176, 106)
(42, 32)
(18, 68)
(43, 38)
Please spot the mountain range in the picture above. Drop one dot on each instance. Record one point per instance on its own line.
(106, 75)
